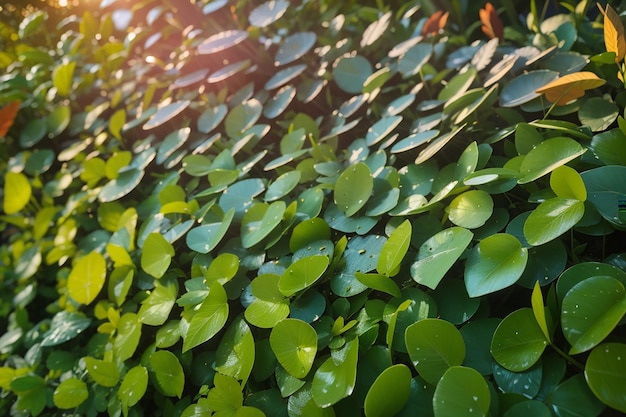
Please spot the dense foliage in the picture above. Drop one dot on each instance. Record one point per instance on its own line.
(313, 208)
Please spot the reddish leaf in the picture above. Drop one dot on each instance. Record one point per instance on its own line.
(492, 25)
(7, 116)
(435, 23)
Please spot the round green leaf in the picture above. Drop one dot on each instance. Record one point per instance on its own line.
(566, 182)
(522, 89)
(302, 274)
(434, 345)
(70, 393)
(133, 386)
(437, 255)
(307, 232)
(496, 262)
(276, 105)
(351, 72)
(39, 162)
(58, 120)
(235, 354)
(573, 398)
(518, 341)
(547, 156)
(208, 319)
(381, 129)
(526, 383)
(581, 271)
(470, 209)
(283, 185)
(414, 305)
(156, 255)
(309, 307)
(205, 238)
(453, 302)
(294, 47)
(221, 41)
(103, 372)
(87, 278)
(240, 196)
(156, 308)
(17, 192)
(166, 113)
(169, 373)
(171, 143)
(336, 377)
(605, 372)
(294, 343)
(127, 180)
(32, 132)
(552, 218)
(269, 306)
(389, 392)
(533, 408)
(598, 113)
(591, 310)
(211, 118)
(353, 188)
(607, 146)
(242, 117)
(461, 392)
(606, 190)
(259, 221)
(411, 62)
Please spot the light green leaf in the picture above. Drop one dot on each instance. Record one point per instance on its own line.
(206, 237)
(353, 188)
(156, 255)
(437, 255)
(389, 392)
(208, 319)
(552, 218)
(103, 373)
(294, 343)
(434, 345)
(470, 209)
(259, 221)
(302, 274)
(116, 123)
(566, 182)
(461, 391)
(336, 377)
(128, 335)
(591, 310)
(605, 371)
(169, 373)
(65, 326)
(547, 156)
(497, 262)
(379, 282)
(17, 192)
(539, 310)
(394, 250)
(236, 352)
(155, 309)
(133, 387)
(70, 393)
(518, 341)
(87, 278)
(62, 78)
(269, 306)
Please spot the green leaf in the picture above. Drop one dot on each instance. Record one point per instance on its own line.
(269, 306)
(156, 308)
(461, 392)
(116, 123)
(609, 147)
(102, 372)
(351, 72)
(242, 117)
(497, 262)
(353, 188)
(598, 113)
(302, 274)
(259, 221)
(539, 310)
(552, 218)
(63, 77)
(437, 255)
(566, 182)
(70, 393)
(453, 302)
(526, 383)
(518, 341)
(127, 180)
(394, 249)
(294, 343)
(169, 373)
(65, 326)
(573, 398)
(283, 185)
(470, 209)
(208, 319)
(87, 278)
(225, 398)
(336, 377)
(605, 371)
(58, 120)
(434, 345)
(235, 354)
(581, 271)
(171, 143)
(165, 113)
(206, 237)
(31, 23)
(605, 191)
(533, 408)
(521, 89)
(133, 387)
(128, 335)
(547, 156)
(379, 282)
(17, 192)
(307, 232)
(156, 255)
(389, 392)
(591, 310)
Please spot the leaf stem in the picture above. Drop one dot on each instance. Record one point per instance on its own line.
(568, 358)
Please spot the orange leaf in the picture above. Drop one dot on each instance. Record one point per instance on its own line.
(435, 23)
(570, 87)
(613, 33)
(492, 25)
(7, 116)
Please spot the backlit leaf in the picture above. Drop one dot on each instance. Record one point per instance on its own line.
(208, 319)
(17, 192)
(491, 23)
(294, 343)
(169, 373)
(436, 22)
(87, 278)
(156, 255)
(70, 393)
(7, 116)
(613, 33)
(570, 87)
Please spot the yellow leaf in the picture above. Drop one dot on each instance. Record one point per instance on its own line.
(613, 33)
(570, 87)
